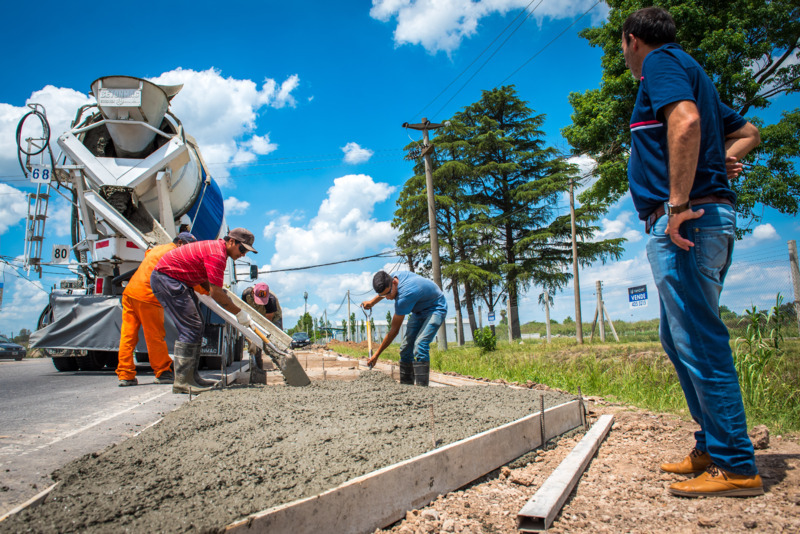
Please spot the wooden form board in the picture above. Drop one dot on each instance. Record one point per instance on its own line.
(538, 514)
(382, 497)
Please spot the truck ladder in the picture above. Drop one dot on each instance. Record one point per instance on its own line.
(34, 231)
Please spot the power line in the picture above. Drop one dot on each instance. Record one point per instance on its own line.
(385, 254)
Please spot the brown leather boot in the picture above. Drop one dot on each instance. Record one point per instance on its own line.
(716, 482)
(696, 462)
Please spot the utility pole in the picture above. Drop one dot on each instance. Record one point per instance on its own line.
(508, 316)
(547, 313)
(347, 334)
(425, 126)
(305, 311)
(793, 266)
(575, 279)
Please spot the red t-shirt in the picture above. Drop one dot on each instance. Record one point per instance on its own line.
(196, 263)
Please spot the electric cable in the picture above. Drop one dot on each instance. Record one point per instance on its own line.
(385, 254)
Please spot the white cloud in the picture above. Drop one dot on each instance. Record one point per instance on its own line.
(15, 207)
(221, 114)
(354, 153)
(760, 234)
(618, 227)
(441, 25)
(342, 228)
(234, 206)
(23, 302)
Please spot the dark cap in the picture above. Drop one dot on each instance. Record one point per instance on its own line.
(186, 237)
(243, 236)
(381, 281)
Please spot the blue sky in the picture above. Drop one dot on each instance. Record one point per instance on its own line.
(298, 110)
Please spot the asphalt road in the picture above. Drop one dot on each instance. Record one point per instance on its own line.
(48, 418)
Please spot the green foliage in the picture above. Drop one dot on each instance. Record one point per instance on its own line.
(484, 339)
(569, 320)
(388, 318)
(750, 51)
(761, 364)
(304, 324)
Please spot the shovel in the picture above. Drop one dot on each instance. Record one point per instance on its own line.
(369, 335)
(285, 361)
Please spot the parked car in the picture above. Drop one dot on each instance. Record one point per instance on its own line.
(300, 339)
(11, 350)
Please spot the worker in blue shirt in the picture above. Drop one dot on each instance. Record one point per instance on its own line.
(420, 297)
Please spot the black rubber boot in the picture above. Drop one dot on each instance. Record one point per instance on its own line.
(421, 373)
(407, 373)
(257, 373)
(185, 363)
(199, 380)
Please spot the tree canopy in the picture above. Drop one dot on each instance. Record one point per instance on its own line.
(751, 50)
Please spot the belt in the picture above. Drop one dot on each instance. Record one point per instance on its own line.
(709, 199)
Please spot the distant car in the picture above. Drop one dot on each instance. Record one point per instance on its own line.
(300, 339)
(11, 350)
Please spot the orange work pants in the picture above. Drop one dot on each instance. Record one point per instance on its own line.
(150, 317)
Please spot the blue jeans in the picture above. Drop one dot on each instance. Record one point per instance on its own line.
(420, 331)
(695, 338)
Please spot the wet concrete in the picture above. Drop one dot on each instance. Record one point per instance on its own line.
(231, 453)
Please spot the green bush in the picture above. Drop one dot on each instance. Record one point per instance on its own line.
(485, 339)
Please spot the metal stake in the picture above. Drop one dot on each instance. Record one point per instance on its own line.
(433, 428)
(541, 420)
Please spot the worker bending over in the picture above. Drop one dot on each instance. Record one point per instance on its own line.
(428, 308)
(140, 308)
(264, 301)
(201, 263)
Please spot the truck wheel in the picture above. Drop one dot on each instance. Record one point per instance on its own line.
(90, 362)
(65, 364)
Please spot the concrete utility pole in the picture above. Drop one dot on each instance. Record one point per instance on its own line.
(425, 126)
(347, 334)
(547, 313)
(575, 279)
(793, 266)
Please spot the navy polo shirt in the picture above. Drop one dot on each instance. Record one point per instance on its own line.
(671, 75)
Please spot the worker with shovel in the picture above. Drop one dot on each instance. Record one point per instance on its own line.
(264, 301)
(140, 308)
(201, 263)
(420, 297)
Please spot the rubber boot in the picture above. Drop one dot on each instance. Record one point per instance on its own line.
(199, 380)
(185, 363)
(421, 373)
(407, 373)
(257, 373)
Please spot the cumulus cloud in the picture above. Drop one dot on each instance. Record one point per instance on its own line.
(618, 227)
(441, 25)
(760, 234)
(15, 207)
(354, 153)
(23, 302)
(234, 206)
(221, 114)
(342, 228)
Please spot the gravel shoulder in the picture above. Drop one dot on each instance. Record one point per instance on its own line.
(622, 489)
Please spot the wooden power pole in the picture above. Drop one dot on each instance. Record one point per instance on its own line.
(425, 126)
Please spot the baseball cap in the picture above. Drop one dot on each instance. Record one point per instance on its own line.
(245, 237)
(261, 293)
(186, 237)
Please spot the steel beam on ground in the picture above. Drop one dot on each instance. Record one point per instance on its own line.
(538, 514)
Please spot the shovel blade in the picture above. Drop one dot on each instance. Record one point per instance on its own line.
(292, 371)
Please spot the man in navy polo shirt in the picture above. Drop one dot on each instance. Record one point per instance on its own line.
(681, 138)
(428, 308)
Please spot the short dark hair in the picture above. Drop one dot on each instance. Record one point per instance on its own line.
(381, 281)
(652, 25)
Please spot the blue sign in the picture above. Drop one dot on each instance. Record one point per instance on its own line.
(637, 296)
(491, 317)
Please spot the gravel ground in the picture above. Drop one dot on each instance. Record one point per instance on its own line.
(231, 453)
(623, 489)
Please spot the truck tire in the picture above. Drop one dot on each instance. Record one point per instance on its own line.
(64, 364)
(90, 362)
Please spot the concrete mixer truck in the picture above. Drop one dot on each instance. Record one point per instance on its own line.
(134, 179)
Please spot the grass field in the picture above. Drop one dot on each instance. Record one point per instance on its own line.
(634, 371)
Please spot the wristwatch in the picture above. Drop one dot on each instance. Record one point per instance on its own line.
(674, 209)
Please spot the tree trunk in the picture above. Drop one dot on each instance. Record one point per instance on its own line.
(459, 322)
(473, 324)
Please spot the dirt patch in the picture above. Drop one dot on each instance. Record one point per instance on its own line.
(228, 454)
(622, 490)
(364, 345)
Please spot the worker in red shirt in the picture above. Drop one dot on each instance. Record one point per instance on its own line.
(140, 308)
(202, 263)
